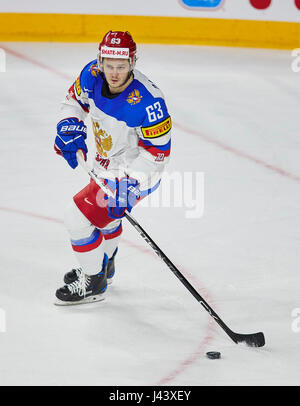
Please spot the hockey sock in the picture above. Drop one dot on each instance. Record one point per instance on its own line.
(112, 236)
(86, 240)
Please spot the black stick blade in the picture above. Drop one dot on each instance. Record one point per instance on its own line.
(253, 340)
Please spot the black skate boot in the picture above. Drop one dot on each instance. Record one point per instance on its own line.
(85, 289)
(73, 275)
(111, 267)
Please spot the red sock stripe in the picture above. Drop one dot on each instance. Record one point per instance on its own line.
(113, 235)
(88, 247)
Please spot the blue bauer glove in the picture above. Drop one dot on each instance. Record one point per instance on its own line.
(127, 192)
(71, 134)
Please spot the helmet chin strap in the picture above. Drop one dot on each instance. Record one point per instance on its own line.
(126, 80)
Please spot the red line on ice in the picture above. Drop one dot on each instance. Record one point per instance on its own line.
(34, 62)
(237, 152)
(30, 214)
(209, 335)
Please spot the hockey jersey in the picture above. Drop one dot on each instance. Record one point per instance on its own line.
(131, 129)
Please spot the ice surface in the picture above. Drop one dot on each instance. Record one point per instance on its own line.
(235, 115)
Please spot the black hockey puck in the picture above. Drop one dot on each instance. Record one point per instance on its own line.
(213, 355)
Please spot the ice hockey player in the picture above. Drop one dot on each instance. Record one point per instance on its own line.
(131, 126)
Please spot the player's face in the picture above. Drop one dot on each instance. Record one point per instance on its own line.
(117, 73)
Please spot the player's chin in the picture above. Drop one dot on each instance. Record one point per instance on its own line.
(115, 84)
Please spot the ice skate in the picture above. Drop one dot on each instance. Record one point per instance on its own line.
(74, 274)
(85, 289)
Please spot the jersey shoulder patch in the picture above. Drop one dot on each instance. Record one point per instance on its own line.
(86, 80)
(157, 130)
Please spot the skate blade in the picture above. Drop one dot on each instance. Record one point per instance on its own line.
(90, 299)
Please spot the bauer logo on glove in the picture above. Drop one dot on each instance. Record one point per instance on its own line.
(71, 135)
(72, 128)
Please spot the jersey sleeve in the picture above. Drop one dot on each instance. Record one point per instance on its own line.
(155, 132)
(154, 143)
(76, 103)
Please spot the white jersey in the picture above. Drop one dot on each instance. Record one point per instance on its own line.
(131, 129)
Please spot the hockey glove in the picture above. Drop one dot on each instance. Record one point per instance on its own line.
(127, 192)
(71, 134)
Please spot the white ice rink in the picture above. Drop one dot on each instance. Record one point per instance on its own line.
(236, 119)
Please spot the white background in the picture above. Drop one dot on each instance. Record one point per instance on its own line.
(280, 10)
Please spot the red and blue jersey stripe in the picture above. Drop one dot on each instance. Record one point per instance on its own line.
(88, 243)
(113, 232)
(155, 150)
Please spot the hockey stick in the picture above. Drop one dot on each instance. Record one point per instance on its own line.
(253, 340)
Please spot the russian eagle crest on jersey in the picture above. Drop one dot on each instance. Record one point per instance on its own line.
(134, 97)
(131, 130)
